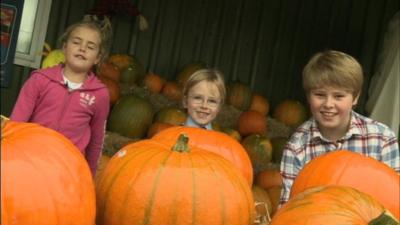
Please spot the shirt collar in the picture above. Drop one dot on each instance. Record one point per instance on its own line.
(191, 123)
(354, 128)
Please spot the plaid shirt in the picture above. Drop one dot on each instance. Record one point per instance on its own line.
(365, 136)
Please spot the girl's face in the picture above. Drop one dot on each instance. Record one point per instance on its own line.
(82, 49)
(203, 102)
(331, 107)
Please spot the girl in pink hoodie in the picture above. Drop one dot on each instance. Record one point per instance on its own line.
(68, 97)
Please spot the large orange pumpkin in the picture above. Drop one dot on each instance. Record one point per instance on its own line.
(352, 169)
(213, 141)
(332, 205)
(45, 180)
(153, 182)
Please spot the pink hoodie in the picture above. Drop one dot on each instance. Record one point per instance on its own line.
(80, 115)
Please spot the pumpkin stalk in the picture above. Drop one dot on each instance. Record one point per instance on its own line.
(181, 144)
(385, 218)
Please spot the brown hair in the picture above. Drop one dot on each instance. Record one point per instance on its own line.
(102, 26)
(210, 75)
(333, 68)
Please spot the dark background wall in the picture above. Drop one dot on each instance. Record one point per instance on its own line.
(263, 43)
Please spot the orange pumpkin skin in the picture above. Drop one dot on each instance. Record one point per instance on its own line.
(269, 178)
(148, 183)
(291, 113)
(113, 89)
(153, 82)
(239, 96)
(45, 180)
(352, 169)
(214, 141)
(260, 104)
(172, 91)
(329, 205)
(109, 70)
(252, 122)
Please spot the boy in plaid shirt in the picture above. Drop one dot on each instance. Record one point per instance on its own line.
(332, 81)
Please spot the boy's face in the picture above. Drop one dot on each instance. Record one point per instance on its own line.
(331, 107)
(203, 102)
(82, 49)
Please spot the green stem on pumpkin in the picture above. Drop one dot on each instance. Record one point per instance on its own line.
(181, 144)
(386, 218)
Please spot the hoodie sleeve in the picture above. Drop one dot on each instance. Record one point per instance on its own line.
(27, 98)
(97, 127)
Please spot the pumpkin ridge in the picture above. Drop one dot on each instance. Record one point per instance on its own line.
(110, 180)
(150, 203)
(222, 202)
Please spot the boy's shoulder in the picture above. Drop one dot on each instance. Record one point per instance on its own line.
(364, 125)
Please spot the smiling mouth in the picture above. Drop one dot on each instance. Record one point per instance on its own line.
(80, 57)
(328, 114)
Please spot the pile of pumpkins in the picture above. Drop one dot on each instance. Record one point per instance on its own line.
(179, 177)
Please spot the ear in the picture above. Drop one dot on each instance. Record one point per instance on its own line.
(356, 100)
(184, 102)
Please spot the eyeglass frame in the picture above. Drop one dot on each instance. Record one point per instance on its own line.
(199, 100)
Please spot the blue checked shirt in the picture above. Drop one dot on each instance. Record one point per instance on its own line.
(364, 136)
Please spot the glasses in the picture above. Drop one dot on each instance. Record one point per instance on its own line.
(199, 100)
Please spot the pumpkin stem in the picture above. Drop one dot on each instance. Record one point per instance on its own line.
(385, 218)
(181, 144)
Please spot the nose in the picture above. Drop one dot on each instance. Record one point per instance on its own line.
(204, 103)
(329, 101)
(82, 47)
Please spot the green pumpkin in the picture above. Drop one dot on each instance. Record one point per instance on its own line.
(131, 117)
(259, 148)
(171, 115)
(133, 73)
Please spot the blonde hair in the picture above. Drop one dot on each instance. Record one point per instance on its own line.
(102, 26)
(335, 69)
(211, 75)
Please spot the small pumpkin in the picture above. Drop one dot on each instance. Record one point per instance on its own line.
(121, 61)
(239, 96)
(131, 116)
(187, 71)
(113, 89)
(214, 141)
(268, 178)
(290, 112)
(109, 70)
(252, 122)
(232, 132)
(171, 115)
(260, 104)
(274, 194)
(259, 149)
(333, 205)
(343, 167)
(172, 91)
(45, 179)
(157, 182)
(153, 83)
